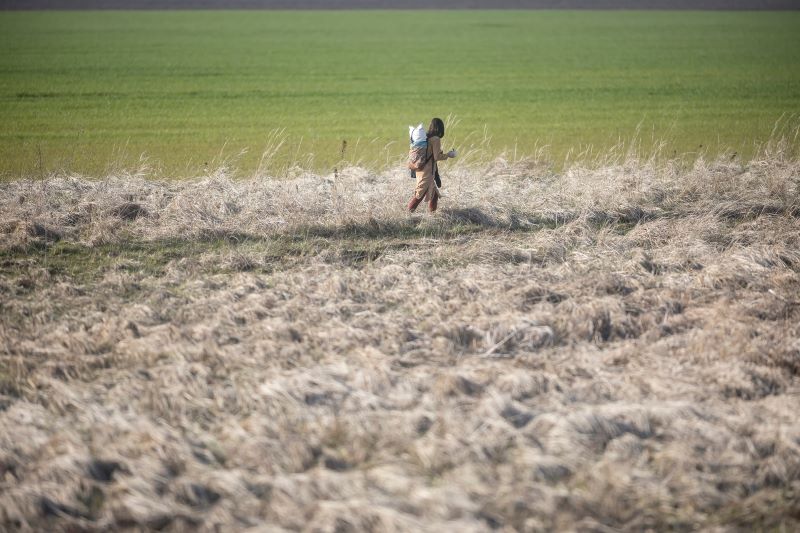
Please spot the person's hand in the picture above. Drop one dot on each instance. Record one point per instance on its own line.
(452, 154)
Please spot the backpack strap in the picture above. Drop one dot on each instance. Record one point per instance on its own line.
(433, 166)
(430, 147)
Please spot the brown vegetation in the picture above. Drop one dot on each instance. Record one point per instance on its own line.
(614, 346)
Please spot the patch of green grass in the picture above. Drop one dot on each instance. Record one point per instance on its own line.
(83, 264)
(93, 91)
(350, 245)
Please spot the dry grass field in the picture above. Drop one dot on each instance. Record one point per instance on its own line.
(611, 346)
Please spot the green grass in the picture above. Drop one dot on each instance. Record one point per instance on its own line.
(91, 91)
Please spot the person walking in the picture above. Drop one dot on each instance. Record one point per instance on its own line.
(426, 178)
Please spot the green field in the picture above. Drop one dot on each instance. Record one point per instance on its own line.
(91, 91)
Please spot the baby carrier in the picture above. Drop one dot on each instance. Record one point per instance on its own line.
(419, 153)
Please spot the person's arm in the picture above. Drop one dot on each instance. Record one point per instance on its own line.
(436, 145)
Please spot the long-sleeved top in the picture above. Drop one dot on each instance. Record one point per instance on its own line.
(425, 177)
(435, 144)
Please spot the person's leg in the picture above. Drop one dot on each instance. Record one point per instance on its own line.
(414, 202)
(419, 193)
(433, 202)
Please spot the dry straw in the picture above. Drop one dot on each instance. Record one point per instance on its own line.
(614, 346)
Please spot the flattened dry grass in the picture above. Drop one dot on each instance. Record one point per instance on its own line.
(611, 347)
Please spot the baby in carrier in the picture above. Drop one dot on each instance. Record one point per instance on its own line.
(419, 138)
(418, 151)
(418, 155)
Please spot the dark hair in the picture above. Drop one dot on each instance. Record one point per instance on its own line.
(436, 129)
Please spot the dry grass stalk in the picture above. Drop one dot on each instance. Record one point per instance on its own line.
(611, 347)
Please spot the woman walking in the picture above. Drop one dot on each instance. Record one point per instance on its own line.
(426, 178)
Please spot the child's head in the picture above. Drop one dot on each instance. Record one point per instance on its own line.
(417, 134)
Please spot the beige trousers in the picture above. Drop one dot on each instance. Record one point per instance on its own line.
(426, 186)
